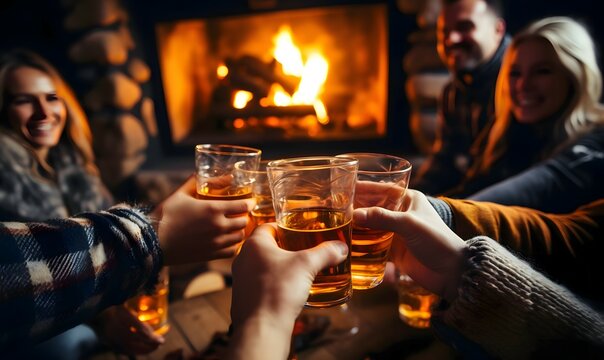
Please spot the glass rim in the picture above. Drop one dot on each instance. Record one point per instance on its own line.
(406, 163)
(220, 149)
(238, 167)
(290, 163)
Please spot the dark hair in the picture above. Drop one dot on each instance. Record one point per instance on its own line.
(496, 6)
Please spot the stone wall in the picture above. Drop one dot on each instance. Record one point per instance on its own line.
(104, 56)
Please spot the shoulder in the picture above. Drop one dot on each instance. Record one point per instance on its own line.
(12, 152)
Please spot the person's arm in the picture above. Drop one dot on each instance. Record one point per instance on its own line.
(494, 298)
(566, 247)
(59, 273)
(270, 286)
(558, 185)
(515, 312)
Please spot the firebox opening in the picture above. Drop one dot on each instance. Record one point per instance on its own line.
(307, 74)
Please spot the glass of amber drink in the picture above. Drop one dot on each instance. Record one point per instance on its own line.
(263, 211)
(381, 181)
(414, 303)
(214, 165)
(153, 308)
(312, 198)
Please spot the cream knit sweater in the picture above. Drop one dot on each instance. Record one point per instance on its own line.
(515, 312)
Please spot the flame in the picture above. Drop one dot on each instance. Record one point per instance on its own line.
(287, 54)
(312, 74)
(321, 112)
(241, 99)
(222, 71)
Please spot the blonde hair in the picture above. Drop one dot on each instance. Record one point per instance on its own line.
(576, 51)
(77, 132)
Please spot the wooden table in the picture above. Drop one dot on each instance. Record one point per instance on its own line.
(195, 321)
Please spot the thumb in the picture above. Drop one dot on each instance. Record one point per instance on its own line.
(328, 253)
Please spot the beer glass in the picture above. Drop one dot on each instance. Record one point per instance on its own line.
(312, 198)
(214, 164)
(263, 211)
(153, 308)
(381, 181)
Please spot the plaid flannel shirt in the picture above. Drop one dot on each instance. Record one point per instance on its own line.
(59, 273)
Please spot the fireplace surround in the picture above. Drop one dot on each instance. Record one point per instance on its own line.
(217, 75)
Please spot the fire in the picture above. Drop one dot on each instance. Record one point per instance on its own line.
(241, 99)
(312, 75)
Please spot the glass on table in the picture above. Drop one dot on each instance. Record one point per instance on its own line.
(152, 308)
(414, 303)
(214, 165)
(381, 181)
(312, 198)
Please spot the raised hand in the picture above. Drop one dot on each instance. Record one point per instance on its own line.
(193, 230)
(427, 250)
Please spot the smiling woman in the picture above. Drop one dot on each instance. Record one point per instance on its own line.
(548, 134)
(46, 155)
(47, 171)
(34, 109)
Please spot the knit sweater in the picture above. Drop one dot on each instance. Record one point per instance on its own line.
(515, 312)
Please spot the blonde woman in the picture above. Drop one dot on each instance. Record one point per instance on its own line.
(547, 141)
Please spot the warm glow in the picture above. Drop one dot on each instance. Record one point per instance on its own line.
(241, 99)
(238, 123)
(313, 78)
(222, 71)
(312, 74)
(287, 53)
(279, 96)
(321, 112)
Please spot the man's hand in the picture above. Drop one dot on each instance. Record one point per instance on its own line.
(193, 230)
(270, 287)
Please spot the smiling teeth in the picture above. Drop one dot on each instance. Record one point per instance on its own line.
(43, 127)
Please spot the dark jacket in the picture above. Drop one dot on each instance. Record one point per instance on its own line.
(560, 184)
(465, 117)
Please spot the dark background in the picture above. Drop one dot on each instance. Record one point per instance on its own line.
(38, 24)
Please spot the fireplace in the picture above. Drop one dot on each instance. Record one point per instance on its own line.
(289, 79)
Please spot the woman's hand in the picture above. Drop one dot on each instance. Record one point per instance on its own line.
(193, 230)
(424, 247)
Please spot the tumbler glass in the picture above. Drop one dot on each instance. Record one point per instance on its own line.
(214, 165)
(381, 181)
(312, 198)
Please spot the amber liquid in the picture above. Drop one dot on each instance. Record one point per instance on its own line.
(263, 215)
(370, 250)
(152, 309)
(305, 228)
(207, 193)
(414, 304)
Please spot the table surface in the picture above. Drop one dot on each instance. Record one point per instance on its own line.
(195, 321)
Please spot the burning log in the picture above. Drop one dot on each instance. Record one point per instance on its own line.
(252, 74)
(228, 112)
